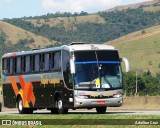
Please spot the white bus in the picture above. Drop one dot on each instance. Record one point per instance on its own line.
(60, 78)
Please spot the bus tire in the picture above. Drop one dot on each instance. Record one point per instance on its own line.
(60, 106)
(101, 110)
(21, 109)
(54, 111)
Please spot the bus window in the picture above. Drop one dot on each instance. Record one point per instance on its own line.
(11, 66)
(8, 66)
(14, 65)
(23, 64)
(51, 61)
(5, 66)
(37, 63)
(27, 64)
(46, 63)
(42, 62)
(65, 60)
(18, 65)
(66, 69)
(57, 61)
(32, 63)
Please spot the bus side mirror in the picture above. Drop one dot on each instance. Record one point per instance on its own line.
(126, 62)
(72, 66)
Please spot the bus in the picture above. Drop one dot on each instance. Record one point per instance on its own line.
(65, 77)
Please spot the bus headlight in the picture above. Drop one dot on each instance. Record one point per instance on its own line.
(117, 95)
(82, 97)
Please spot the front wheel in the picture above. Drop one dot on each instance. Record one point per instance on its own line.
(21, 109)
(60, 106)
(101, 110)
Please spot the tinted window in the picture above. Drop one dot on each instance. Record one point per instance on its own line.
(14, 65)
(11, 66)
(27, 64)
(100, 55)
(37, 62)
(42, 62)
(57, 60)
(66, 58)
(6, 64)
(18, 65)
(46, 64)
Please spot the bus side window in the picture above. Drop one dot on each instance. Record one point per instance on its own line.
(14, 65)
(18, 65)
(5, 66)
(4, 61)
(11, 66)
(37, 63)
(57, 61)
(42, 62)
(8, 66)
(51, 61)
(27, 70)
(65, 60)
(23, 64)
(46, 62)
(32, 63)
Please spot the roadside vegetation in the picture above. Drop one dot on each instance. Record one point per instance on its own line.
(121, 119)
(147, 84)
(103, 27)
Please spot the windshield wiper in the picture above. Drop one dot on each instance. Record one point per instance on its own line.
(106, 79)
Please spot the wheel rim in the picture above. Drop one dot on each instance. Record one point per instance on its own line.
(60, 104)
(20, 105)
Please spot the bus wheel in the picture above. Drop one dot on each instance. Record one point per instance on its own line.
(60, 106)
(21, 109)
(101, 110)
(54, 111)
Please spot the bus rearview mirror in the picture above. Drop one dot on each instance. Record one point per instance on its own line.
(126, 62)
(72, 66)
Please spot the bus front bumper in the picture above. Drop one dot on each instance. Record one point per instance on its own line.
(91, 103)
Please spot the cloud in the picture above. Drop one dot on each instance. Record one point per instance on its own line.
(83, 5)
(78, 5)
(5, 1)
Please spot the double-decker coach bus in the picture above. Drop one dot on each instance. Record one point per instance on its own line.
(61, 78)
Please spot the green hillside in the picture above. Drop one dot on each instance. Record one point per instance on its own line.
(152, 5)
(92, 28)
(142, 48)
(14, 39)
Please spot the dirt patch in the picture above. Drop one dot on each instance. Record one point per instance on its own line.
(139, 103)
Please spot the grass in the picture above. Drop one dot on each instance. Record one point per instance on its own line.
(68, 22)
(86, 118)
(152, 9)
(14, 34)
(142, 50)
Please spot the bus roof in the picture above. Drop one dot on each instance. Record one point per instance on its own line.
(81, 47)
(71, 47)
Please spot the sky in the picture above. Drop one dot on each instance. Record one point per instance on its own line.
(21, 8)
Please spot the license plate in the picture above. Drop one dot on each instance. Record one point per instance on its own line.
(101, 102)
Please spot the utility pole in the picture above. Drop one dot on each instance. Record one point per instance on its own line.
(136, 81)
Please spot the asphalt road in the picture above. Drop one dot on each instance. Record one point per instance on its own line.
(79, 111)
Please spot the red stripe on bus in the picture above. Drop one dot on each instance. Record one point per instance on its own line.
(14, 54)
(30, 91)
(14, 85)
(33, 99)
(25, 92)
(22, 83)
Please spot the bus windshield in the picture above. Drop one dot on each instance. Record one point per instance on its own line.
(98, 69)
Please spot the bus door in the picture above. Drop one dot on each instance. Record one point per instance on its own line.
(68, 80)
